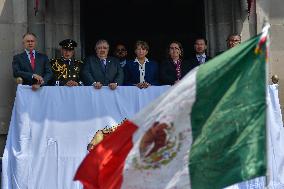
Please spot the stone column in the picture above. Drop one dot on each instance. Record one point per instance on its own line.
(77, 26)
(55, 21)
(49, 29)
(275, 12)
(222, 18)
(36, 22)
(62, 21)
(249, 21)
(13, 23)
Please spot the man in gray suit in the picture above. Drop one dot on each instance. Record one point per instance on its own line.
(32, 66)
(102, 70)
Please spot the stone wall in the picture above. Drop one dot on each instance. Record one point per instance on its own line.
(276, 19)
(13, 23)
(55, 21)
(62, 21)
(273, 12)
(223, 17)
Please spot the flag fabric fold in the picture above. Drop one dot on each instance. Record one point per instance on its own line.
(229, 134)
(207, 131)
(110, 165)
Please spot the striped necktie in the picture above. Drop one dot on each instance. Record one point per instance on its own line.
(103, 62)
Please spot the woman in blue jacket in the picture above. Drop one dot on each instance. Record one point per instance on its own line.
(141, 72)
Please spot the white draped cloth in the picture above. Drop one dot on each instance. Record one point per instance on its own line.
(50, 130)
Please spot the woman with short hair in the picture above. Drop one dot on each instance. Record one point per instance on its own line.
(174, 67)
(141, 72)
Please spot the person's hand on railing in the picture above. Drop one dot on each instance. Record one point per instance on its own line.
(97, 85)
(139, 85)
(38, 78)
(146, 85)
(143, 85)
(112, 86)
(71, 83)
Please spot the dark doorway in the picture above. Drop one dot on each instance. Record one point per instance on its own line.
(157, 22)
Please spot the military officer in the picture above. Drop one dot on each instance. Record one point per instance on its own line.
(66, 69)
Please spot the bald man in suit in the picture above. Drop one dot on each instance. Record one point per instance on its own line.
(32, 66)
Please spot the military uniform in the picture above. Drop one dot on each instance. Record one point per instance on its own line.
(66, 70)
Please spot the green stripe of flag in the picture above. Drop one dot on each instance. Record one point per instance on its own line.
(229, 118)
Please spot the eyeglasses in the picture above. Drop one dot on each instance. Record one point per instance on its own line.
(235, 40)
(123, 50)
(102, 48)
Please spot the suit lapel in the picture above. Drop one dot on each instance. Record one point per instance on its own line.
(26, 61)
(172, 65)
(37, 61)
(108, 65)
(99, 65)
(196, 60)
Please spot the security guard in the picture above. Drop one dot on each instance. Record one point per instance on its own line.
(66, 70)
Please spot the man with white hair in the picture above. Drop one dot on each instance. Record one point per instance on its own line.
(102, 70)
(31, 66)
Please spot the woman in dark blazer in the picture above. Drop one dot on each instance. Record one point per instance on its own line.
(141, 72)
(174, 67)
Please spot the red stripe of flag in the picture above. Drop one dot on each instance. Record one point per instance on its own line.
(103, 167)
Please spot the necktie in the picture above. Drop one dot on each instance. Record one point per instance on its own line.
(103, 62)
(32, 57)
(178, 69)
(200, 59)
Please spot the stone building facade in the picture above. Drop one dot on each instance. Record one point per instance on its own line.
(57, 20)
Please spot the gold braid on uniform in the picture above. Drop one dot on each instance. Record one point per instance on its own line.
(77, 64)
(59, 69)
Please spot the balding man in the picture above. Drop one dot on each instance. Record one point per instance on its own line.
(32, 66)
(233, 40)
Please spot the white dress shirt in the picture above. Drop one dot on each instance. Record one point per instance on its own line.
(142, 69)
(201, 58)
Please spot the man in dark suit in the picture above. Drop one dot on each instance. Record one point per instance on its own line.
(102, 70)
(120, 52)
(32, 66)
(200, 57)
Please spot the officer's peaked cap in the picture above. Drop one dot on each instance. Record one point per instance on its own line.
(68, 44)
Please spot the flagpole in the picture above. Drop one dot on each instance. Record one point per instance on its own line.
(265, 36)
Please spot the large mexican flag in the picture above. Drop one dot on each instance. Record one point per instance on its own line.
(207, 132)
